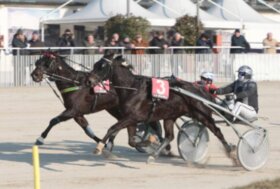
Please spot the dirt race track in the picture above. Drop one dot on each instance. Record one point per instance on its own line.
(67, 160)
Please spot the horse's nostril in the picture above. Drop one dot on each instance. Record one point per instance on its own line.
(88, 83)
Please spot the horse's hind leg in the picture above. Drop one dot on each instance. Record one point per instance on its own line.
(81, 120)
(64, 116)
(169, 136)
(210, 123)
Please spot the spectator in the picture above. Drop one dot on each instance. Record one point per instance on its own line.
(19, 41)
(111, 43)
(126, 44)
(238, 40)
(66, 40)
(1, 41)
(35, 42)
(90, 42)
(139, 42)
(178, 41)
(270, 44)
(116, 38)
(204, 40)
(158, 41)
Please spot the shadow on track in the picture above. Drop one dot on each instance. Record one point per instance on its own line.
(70, 152)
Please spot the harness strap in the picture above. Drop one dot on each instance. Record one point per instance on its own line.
(54, 91)
(152, 110)
(95, 103)
(70, 89)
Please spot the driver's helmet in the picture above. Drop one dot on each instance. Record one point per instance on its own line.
(244, 73)
(207, 76)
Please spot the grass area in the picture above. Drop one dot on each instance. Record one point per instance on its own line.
(266, 184)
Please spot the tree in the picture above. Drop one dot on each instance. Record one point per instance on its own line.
(124, 26)
(187, 27)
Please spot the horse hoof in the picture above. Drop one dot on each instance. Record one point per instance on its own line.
(110, 146)
(97, 152)
(231, 148)
(151, 159)
(39, 141)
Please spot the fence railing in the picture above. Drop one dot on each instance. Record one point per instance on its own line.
(16, 70)
(170, 49)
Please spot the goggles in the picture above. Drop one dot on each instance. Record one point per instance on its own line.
(241, 73)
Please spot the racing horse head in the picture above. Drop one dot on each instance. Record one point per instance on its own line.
(51, 64)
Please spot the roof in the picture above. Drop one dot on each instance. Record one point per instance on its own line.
(179, 8)
(102, 10)
(242, 11)
(43, 2)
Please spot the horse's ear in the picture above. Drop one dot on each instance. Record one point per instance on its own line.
(109, 55)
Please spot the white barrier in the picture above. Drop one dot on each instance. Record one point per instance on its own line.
(16, 70)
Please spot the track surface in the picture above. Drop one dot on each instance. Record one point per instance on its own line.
(67, 160)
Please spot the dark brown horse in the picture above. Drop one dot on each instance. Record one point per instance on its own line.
(78, 99)
(139, 106)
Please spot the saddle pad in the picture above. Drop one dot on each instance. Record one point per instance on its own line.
(102, 88)
(160, 88)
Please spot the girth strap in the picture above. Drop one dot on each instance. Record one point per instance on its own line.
(70, 89)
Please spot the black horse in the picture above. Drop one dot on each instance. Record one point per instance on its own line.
(139, 106)
(78, 99)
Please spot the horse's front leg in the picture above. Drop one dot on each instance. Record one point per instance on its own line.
(112, 131)
(64, 116)
(81, 120)
(169, 136)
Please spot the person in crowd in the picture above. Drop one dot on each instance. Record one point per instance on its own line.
(206, 81)
(111, 43)
(90, 42)
(1, 41)
(238, 40)
(66, 40)
(138, 42)
(19, 41)
(270, 44)
(178, 41)
(204, 41)
(116, 38)
(245, 94)
(35, 42)
(126, 44)
(158, 41)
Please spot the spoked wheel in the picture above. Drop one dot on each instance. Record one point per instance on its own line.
(253, 149)
(144, 132)
(193, 141)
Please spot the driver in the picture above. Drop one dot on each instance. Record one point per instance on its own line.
(245, 94)
(206, 81)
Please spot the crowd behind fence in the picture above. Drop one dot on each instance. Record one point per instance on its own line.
(15, 70)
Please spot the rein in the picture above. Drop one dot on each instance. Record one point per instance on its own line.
(61, 78)
(54, 91)
(81, 65)
(128, 88)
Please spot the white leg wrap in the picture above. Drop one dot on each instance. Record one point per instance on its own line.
(100, 146)
(89, 131)
(41, 139)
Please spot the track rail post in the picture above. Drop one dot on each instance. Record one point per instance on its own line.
(36, 167)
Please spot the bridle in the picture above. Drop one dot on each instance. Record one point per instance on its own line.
(53, 75)
(108, 75)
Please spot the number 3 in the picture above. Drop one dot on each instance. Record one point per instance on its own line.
(161, 90)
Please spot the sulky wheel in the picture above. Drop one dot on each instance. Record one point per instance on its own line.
(193, 141)
(253, 149)
(144, 132)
